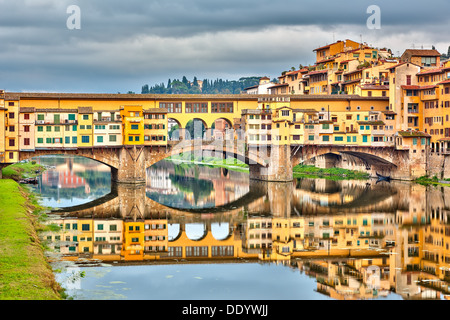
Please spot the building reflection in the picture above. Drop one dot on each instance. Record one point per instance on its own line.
(359, 239)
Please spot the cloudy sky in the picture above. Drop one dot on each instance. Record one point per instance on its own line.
(122, 45)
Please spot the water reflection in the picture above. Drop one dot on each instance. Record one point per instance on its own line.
(70, 181)
(194, 187)
(352, 239)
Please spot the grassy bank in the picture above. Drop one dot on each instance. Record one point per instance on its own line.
(24, 271)
(302, 171)
(22, 170)
(425, 180)
(231, 163)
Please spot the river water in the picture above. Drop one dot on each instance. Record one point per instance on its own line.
(196, 232)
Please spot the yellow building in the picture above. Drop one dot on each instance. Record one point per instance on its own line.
(133, 240)
(3, 113)
(133, 125)
(155, 127)
(85, 131)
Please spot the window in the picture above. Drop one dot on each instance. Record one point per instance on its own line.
(112, 138)
(222, 107)
(85, 227)
(71, 117)
(40, 128)
(74, 140)
(134, 127)
(48, 129)
(326, 138)
(85, 139)
(40, 140)
(364, 138)
(338, 139)
(100, 139)
(26, 141)
(285, 113)
(172, 107)
(311, 138)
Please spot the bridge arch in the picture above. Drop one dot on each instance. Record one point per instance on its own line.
(216, 148)
(102, 157)
(366, 156)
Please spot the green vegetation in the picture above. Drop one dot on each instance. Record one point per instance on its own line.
(426, 180)
(19, 171)
(234, 164)
(217, 86)
(303, 171)
(24, 270)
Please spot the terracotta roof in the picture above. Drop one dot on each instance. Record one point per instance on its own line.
(402, 63)
(430, 71)
(279, 85)
(318, 72)
(155, 110)
(411, 87)
(56, 110)
(375, 87)
(26, 110)
(85, 110)
(422, 52)
(445, 82)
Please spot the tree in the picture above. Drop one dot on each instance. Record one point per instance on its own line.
(448, 52)
(145, 89)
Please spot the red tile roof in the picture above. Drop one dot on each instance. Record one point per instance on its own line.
(423, 52)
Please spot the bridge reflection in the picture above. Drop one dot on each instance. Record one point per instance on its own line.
(345, 234)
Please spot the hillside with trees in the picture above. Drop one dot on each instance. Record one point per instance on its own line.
(206, 86)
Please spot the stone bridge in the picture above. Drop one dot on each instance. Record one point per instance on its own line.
(266, 162)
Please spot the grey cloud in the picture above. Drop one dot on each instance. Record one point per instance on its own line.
(125, 44)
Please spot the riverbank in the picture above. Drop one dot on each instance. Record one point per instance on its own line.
(425, 180)
(303, 171)
(18, 171)
(25, 272)
(231, 163)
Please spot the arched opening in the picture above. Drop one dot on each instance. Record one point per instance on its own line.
(220, 231)
(195, 231)
(196, 129)
(222, 129)
(175, 131)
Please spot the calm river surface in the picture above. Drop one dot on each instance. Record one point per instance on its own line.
(194, 233)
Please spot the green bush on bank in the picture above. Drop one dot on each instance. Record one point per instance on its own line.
(19, 171)
(312, 171)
